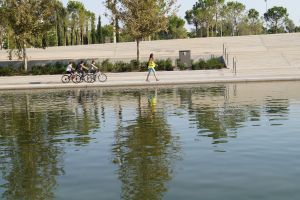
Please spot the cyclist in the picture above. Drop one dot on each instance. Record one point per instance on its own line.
(93, 68)
(70, 69)
(80, 68)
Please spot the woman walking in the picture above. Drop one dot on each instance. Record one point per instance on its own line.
(151, 66)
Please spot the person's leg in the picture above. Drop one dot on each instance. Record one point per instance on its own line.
(149, 71)
(154, 72)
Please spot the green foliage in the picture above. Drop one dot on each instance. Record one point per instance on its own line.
(181, 66)
(57, 68)
(29, 22)
(141, 18)
(107, 66)
(7, 71)
(233, 13)
(120, 66)
(204, 16)
(175, 30)
(276, 17)
(164, 65)
(213, 63)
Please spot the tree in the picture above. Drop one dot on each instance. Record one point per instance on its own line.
(93, 28)
(107, 32)
(143, 18)
(192, 19)
(175, 29)
(112, 6)
(205, 14)
(3, 25)
(99, 31)
(276, 17)
(289, 25)
(233, 12)
(76, 12)
(89, 20)
(255, 23)
(218, 8)
(60, 15)
(28, 27)
(201, 16)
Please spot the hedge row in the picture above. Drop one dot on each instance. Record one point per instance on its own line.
(107, 66)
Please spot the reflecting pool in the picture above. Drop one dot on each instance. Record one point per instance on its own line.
(222, 141)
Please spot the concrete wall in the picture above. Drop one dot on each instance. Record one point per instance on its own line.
(261, 52)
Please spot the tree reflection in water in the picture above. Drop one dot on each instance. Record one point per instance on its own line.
(32, 130)
(145, 151)
(215, 116)
(36, 126)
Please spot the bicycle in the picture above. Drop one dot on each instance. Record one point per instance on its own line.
(80, 77)
(92, 77)
(67, 77)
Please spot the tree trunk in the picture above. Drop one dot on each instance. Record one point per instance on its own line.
(117, 30)
(207, 30)
(217, 23)
(197, 30)
(221, 29)
(81, 36)
(87, 33)
(138, 50)
(72, 36)
(114, 33)
(65, 43)
(58, 31)
(25, 58)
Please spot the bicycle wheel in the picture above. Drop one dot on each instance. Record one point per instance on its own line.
(73, 78)
(92, 78)
(102, 77)
(79, 78)
(88, 78)
(65, 78)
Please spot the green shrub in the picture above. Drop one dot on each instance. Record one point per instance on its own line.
(135, 65)
(164, 65)
(181, 66)
(213, 63)
(143, 66)
(200, 65)
(57, 68)
(11, 71)
(106, 66)
(121, 66)
(6, 71)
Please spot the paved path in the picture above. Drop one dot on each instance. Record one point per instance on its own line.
(138, 79)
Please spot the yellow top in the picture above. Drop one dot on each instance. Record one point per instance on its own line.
(151, 64)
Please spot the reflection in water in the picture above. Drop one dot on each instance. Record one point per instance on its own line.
(36, 126)
(277, 109)
(145, 151)
(31, 132)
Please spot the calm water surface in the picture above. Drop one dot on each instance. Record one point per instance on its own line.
(211, 142)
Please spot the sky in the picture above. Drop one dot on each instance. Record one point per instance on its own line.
(97, 6)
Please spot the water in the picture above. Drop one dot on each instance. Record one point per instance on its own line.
(233, 141)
